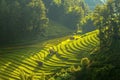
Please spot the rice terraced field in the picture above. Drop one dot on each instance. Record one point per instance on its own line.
(68, 52)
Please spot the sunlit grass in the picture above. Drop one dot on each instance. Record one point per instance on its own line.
(69, 52)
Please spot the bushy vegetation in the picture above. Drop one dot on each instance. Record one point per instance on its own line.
(85, 62)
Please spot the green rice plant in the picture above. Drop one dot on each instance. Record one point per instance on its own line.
(74, 69)
(31, 76)
(24, 76)
(63, 70)
(69, 53)
(52, 78)
(42, 76)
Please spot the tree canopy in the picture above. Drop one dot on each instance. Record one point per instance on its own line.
(19, 19)
(107, 18)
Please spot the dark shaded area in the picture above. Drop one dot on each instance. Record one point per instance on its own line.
(20, 20)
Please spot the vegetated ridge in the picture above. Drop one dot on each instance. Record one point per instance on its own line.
(68, 53)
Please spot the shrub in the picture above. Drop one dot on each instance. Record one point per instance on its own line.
(85, 62)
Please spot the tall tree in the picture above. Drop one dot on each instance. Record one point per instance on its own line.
(21, 19)
(106, 17)
(39, 20)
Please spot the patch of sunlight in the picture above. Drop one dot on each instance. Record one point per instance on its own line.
(77, 8)
(70, 9)
(54, 57)
(57, 2)
(5, 66)
(92, 32)
(65, 42)
(25, 69)
(48, 45)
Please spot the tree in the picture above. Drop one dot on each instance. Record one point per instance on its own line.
(39, 19)
(86, 24)
(106, 17)
(66, 12)
(21, 19)
(113, 6)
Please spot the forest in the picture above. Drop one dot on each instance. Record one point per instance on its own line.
(59, 39)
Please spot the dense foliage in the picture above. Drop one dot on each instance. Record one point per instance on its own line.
(107, 19)
(66, 12)
(86, 24)
(26, 19)
(20, 19)
(105, 64)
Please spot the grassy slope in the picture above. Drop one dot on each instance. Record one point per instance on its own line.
(54, 30)
(69, 53)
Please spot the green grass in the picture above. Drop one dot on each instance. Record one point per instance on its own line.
(53, 31)
(70, 52)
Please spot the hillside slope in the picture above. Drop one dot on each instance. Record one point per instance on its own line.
(69, 52)
(55, 29)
